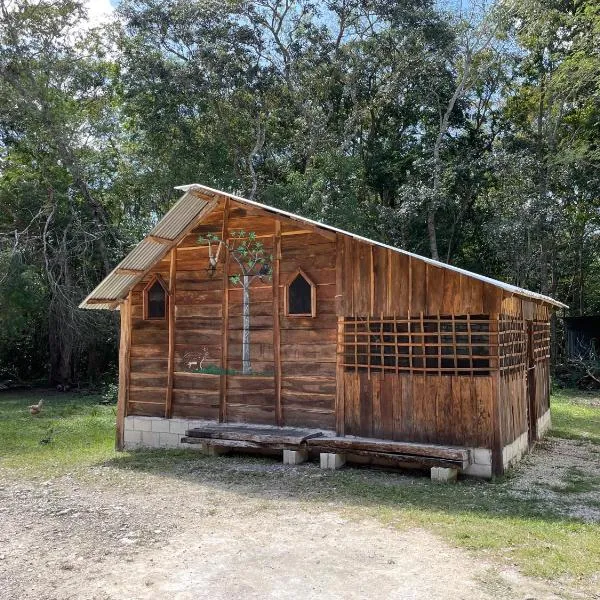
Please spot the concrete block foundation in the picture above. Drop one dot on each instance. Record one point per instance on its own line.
(294, 457)
(332, 461)
(443, 474)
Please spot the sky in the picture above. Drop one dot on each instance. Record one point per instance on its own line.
(99, 10)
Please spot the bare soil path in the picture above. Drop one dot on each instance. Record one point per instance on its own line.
(121, 534)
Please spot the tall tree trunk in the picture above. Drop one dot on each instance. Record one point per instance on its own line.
(246, 365)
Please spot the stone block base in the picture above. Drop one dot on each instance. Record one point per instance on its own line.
(443, 474)
(543, 424)
(156, 432)
(512, 453)
(294, 457)
(332, 461)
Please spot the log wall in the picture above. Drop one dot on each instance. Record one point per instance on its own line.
(293, 358)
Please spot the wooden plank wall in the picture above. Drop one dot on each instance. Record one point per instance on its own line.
(420, 408)
(306, 347)
(448, 409)
(513, 388)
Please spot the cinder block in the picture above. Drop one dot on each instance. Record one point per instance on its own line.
(294, 457)
(178, 426)
(332, 461)
(444, 474)
(129, 424)
(142, 423)
(132, 438)
(160, 425)
(150, 439)
(168, 440)
(482, 456)
(475, 470)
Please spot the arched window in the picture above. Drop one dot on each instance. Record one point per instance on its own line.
(300, 296)
(155, 299)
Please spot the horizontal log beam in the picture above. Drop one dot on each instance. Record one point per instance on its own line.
(404, 459)
(237, 444)
(268, 438)
(346, 444)
(159, 240)
(123, 271)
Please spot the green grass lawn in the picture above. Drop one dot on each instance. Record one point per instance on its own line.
(76, 432)
(72, 432)
(576, 415)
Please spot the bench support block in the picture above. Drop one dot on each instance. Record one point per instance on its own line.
(332, 461)
(294, 457)
(443, 474)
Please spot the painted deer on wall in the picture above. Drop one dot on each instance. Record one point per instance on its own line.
(253, 262)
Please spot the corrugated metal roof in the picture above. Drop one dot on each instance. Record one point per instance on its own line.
(115, 286)
(179, 217)
(184, 213)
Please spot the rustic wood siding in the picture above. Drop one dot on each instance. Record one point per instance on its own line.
(299, 377)
(306, 346)
(450, 409)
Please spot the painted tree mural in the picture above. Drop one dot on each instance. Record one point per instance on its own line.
(254, 262)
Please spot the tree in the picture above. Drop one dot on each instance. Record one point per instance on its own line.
(254, 263)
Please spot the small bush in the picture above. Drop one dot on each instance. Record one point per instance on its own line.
(110, 393)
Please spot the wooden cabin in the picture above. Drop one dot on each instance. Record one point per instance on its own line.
(321, 341)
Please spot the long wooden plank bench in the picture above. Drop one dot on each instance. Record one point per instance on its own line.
(263, 437)
(231, 436)
(430, 455)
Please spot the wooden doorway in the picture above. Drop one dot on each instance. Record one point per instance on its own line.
(531, 392)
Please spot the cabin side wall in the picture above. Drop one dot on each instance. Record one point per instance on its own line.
(524, 349)
(412, 398)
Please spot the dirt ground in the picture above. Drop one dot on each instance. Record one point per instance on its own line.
(122, 534)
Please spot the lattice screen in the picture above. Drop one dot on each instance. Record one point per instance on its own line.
(512, 337)
(444, 345)
(541, 340)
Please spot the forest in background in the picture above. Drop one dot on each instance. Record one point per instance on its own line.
(468, 132)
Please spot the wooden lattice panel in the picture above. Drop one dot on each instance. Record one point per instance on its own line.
(442, 345)
(541, 340)
(512, 339)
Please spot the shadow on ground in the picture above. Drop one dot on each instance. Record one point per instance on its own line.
(266, 478)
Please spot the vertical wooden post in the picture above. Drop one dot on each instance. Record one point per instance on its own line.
(224, 319)
(276, 322)
(171, 316)
(497, 461)
(339, 306)
(124, 369)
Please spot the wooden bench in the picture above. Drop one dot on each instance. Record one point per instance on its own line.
(231, 436)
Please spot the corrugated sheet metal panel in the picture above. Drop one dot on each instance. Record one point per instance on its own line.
(179, 217)
(116, 286)
(144, 255)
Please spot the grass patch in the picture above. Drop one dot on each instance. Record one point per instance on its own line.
(484, 517)
(577, 482)
(72, 431)
(576, 416)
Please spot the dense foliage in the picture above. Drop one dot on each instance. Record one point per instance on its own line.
(472, 137)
